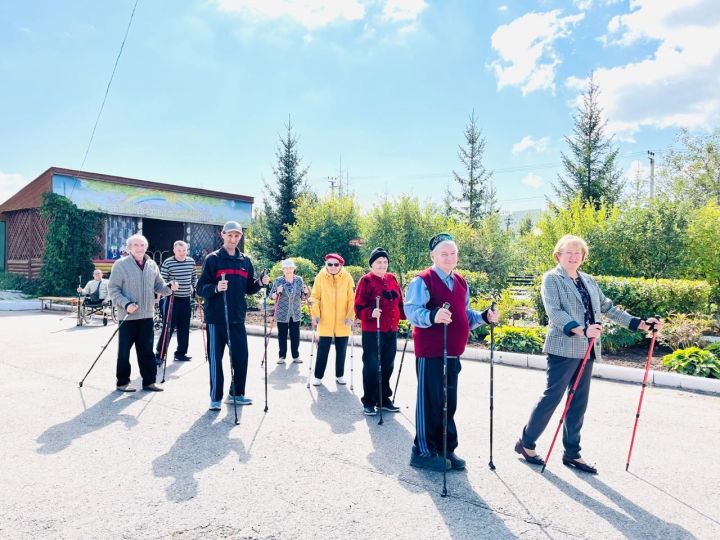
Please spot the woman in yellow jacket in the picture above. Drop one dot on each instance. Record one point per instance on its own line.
(333, 299)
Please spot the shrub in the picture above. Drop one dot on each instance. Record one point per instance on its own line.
(645, 297)
(478, 282)
(693, 361)
(304, 315)
(510, 307)
(305, 268)
(403, 328)
(714, 348)
(519, 339)
(616, 337)
(680, 330)
(16, 282)
(356, 272)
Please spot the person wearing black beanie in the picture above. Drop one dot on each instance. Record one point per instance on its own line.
(378, 252)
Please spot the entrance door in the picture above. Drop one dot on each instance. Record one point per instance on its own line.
(161, 236)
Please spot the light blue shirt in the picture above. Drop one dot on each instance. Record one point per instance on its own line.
(417, 296)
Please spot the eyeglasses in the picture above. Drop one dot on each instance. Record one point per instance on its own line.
(332, 264)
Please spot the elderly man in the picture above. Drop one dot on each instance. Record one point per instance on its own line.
(134, 281)
(227, 276)
(96, 289)
(426, 295)
(180, 268)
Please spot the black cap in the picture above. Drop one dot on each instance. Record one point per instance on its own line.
(377, 253)
(442, 237)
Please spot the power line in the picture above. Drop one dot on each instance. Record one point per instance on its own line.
(107, 90)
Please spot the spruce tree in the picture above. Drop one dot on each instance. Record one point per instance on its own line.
(280, 202)
(591, 166)
(477, 197)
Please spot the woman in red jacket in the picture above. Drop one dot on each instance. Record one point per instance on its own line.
(378, 283)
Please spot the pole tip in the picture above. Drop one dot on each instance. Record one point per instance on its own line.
(543, 469)
(492, 466)
(444, 493)
(80, 384)
(627, 466)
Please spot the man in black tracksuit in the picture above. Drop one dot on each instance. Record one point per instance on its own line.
(239, 280)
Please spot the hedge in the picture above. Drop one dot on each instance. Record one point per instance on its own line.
(645, 297)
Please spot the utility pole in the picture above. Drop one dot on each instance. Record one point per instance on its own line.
(508, 222)
(651, 157)
(333, 180)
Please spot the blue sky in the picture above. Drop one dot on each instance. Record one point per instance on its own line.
(203, 87)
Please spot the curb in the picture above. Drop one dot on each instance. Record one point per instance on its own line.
(607, 372)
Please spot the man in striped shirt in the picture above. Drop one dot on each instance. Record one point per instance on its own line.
(180, 268)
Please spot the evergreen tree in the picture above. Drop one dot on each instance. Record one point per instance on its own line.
(280, 202)
(477, 197)
(590, 168)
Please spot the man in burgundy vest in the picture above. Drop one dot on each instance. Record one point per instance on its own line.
(423, 306)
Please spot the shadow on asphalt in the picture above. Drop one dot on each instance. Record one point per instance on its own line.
(633, 522)
(283, 376)
(106, 411)
(392, 444)
(326, 404)
(204, 445)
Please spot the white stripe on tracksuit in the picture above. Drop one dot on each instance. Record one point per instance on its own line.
(420, 410)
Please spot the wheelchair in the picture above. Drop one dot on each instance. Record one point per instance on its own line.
(89, 310)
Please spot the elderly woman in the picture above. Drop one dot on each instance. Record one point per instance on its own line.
(333, 313)
(574, 304)
(288, 291)
(378, 283)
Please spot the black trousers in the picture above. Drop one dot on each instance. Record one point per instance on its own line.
(429, 408)
(138, 332)
(388, 348)
(294, 328)
(561, 375)
(180, 320)
(217, 338)
(323, 351)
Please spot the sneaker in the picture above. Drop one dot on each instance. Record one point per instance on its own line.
(369, 411)
(456, 462)
(215, 405)
(281, 360)
(390, 407)
(340, 380)
(316, 381)
(182, 358)
(433, 463)
(297, 360)
(125, 388)
(240, 400)
(153, 388)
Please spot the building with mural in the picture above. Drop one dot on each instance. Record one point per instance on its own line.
(164, 213)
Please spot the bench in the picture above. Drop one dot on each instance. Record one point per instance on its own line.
(46, 302)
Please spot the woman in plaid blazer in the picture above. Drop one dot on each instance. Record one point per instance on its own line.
(574, 304)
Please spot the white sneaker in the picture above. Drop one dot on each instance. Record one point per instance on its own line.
(281, 360)
(340, 380)
(316, 381)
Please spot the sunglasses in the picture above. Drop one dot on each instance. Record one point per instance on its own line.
(332, 264)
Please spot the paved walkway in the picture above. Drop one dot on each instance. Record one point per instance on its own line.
(93, 463)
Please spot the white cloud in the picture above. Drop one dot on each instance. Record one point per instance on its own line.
(526, 49)
(502, 8)
(528, 143)
(312, 14)
(676, 85)
(583, 5)
(403, 10)
(10, 184)
(532, 180)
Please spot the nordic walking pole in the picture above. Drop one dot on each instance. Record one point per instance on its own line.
(79, 310)
(103, 350)
(272, 325)
(167, 334)
(493, 308)
(569, 400)
(267, 339)
(402, 359)
(203, 328)
(446, 305)
(379, 357)
(227, 331)
(642, 392)
(312, 344)
(352, 353)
